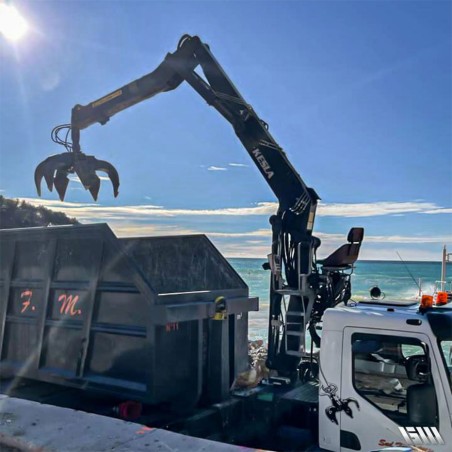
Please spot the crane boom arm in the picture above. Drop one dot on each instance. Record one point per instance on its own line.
(219, 92)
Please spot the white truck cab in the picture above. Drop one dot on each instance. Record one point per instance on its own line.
(385, 377)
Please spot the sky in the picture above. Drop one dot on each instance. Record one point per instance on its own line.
(357, 93)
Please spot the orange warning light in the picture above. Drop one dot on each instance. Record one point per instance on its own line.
(441, 298)
(426, 301)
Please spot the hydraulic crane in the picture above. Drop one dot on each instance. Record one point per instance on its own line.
(295, 272)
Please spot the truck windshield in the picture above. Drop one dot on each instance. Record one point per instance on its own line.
(446, 349)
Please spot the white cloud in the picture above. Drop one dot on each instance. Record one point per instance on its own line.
(338, 239)
(97, 212)
(216, 168)
(408, 254)
(238, 165)
(384, 247)
(367, 253)
(241, 250)
(441, 210)
(256, 233)
(144, 230)
(416, 239)
(256, 243)
(378, 209)
(138, 221)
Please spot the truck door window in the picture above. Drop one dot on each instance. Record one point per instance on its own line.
(409, 350)
(393, 373)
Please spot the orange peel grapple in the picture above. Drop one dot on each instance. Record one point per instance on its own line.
(56, 168)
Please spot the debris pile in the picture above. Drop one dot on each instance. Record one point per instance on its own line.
(257, 354)
(256, 351)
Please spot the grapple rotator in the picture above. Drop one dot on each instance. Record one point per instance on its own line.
(56, 168)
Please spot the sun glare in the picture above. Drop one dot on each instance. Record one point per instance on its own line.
(12, 24)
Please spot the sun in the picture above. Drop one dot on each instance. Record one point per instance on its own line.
(13, 26)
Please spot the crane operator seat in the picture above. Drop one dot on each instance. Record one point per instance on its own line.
(346, 255)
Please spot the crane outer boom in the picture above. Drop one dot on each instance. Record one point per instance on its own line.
(219, 92)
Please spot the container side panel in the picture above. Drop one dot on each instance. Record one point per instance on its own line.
(75, 259)
(121, 308)
(239, 342)
(30, 257)
(6, 263)
(62, 349)
(20, 343)
(178, 361)
(118, 356)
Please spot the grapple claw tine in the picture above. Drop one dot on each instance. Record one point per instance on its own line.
(49, 166)
(85, 167)
(111, 172)
(61, 182)
(38, 178)
(43, 170)
(48, 177)
(94, 188)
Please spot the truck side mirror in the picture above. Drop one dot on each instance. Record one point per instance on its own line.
(417, 368)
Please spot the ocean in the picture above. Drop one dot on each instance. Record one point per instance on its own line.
(392, 277)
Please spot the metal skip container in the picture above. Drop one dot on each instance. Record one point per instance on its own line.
(134, 318)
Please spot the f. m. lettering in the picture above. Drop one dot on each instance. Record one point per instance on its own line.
(69, 305)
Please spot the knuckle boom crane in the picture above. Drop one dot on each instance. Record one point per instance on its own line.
(310, 286)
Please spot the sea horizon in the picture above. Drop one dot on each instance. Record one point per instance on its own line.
(360, 260)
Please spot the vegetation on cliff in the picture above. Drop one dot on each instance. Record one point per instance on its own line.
(20, 214)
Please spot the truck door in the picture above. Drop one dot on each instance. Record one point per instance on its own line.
(391, 393)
